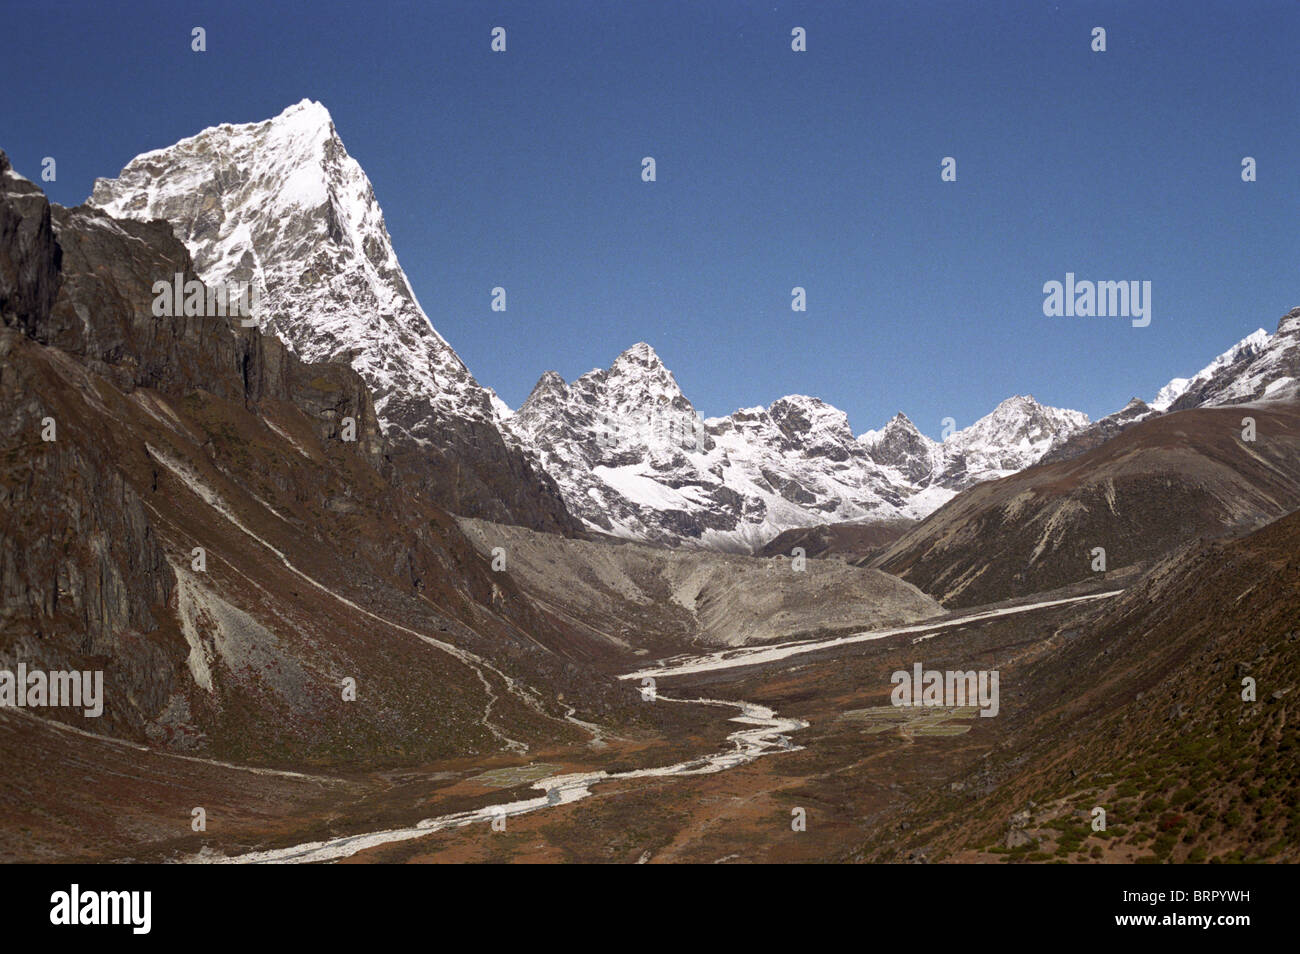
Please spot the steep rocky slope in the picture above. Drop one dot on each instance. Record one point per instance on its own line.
(1158, 485)
(281, 204)
(1258, 367)
(169, 434)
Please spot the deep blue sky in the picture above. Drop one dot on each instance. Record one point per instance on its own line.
(776, 169)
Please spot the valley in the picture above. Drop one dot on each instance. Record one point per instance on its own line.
(767, 733)
(350, 607)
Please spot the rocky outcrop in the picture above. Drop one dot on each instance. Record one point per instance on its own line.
(901, 446)
(29, 255)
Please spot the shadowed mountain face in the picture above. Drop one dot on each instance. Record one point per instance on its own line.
(282, 205)
(1159, 485)
(182, 510)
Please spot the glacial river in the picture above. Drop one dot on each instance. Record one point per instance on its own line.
(762, 732)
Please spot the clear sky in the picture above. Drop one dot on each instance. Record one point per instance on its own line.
(775, 169)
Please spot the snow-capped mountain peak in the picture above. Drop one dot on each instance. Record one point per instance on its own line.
(1014, 435)
(638, 377)
(1203, 382)
(641, 355)
(632, 457)
(634, 407)
(1259, 367)
(551, 382)
(282, 204)
(1168, 394)
(809, 423)
(900, 422)
(901, 446)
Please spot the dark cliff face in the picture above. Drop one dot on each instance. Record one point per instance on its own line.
(170, 434)
(473, 472)
(903, 447)
(103, 316)
(30, 258)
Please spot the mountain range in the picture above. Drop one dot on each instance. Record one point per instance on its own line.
(619, 451)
